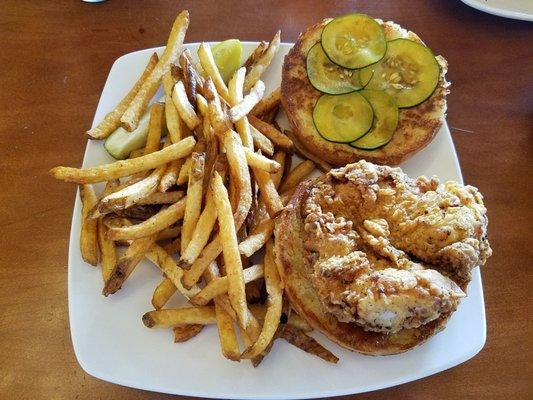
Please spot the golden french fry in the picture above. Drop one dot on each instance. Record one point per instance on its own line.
(186, 332)
(258, 51)
(280, 157)
(189, 79)
(297, 175)
(242, 125)
(162, 293)
(170, 177)
(127, 263)
(183, 176)
(112, 119)
(267, 104)
(210, 67)
(270, 117)
(261, 141)
(184, 107)
(136, 153)
(108, 255)
(274, 289)
(232, 258)
(244, 106)
(262, 62)
(203, 107)
(269, 194)
(226, 333)
(162, 198)
(182, 316)
(206, 257)
(200, 236)
(177, 129)
(131, 116)
(88, 234)
(169, 233)
(256, 160)
(217, 117)
(298, 338)
(193, 205)
(153, 140)
(304, 153)
(123, 168)
(219, 285)
(257, 238)
(272, 133)
(190, 73)
(173, 247)
(163, 219)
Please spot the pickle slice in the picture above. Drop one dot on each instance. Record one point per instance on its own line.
(227, 55)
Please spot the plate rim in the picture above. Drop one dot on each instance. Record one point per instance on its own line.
(89, 369)
(500, 12)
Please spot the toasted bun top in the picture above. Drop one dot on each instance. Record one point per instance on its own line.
(416, 127)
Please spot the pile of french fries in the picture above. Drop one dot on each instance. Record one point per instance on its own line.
(200, 202)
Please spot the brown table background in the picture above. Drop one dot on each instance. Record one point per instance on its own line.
(54, 59)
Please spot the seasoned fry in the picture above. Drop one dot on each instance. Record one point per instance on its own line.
(206, 257)
(184, 107)
(181, 316)
(136, 153)
(123, 168)
(304, 153)
(173, 247)
(259, 311)
(162, 293)
(183, 176)
(108, 255)
(201, 234)
(258, 52)
(280, 157)
(299, 339)
(262, 62)
(274, 289)
(244, 106)
(226, 333)
(257, 238)
(232, 258)
(261, 141)
(111, 121)
(267, 104)
(88, 234)
(162, 198)
(256, 160)
(193, 205)
(297, 175)
(169, 233)
(219, 286)
(131, 116)
(189, 79)
(177, 129)
(163, 219)
(127, 263)
(210, 67)
(270, 117)
(186, 65)
(217, 116)
(153, 140)
(186, 332)
(170, 176)
(242, 125)
(272, 133)
(203, 107)
(269, 194)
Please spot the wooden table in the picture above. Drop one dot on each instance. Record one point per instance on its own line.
(55, 57)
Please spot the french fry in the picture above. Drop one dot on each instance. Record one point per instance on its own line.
(270, 117)
(206, 257)
(299, 339)
(131, 116)
(189, 79)
(258, 51)
(123, 168)
(244, 106)
(184, 107)
(173, 247)
(186, 66)
(177, 129)
(136, 153)
(162, 198)
(193, 205)
(182, 316)
(127, 263)
(163, 219)
(186, 332)
(153, 139)
(219, 286)
(170, 176)
(257, 238)
(162, 293)
(280, 157)
(269, 194)
(274, 289)
(256, 160)
(200, 236)
(272, 133)
(108, 255)
(88, 234)
(297, 175)
(183, 176)
(169, 233)
(304, 153)
(261, 141)
(293, 319)
(217, 117)
(262, 62)
(235, 88)
(267, 104)
(210, 67)
(111, 121)
(203, 107)
(232, 258)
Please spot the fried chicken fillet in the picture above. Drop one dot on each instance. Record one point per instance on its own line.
(376, 260)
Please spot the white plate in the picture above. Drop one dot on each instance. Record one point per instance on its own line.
(112, 344)
(515, 9)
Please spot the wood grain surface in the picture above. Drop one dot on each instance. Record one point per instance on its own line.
(54, 59)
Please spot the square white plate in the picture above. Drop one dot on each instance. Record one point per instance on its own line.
(112, 344)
